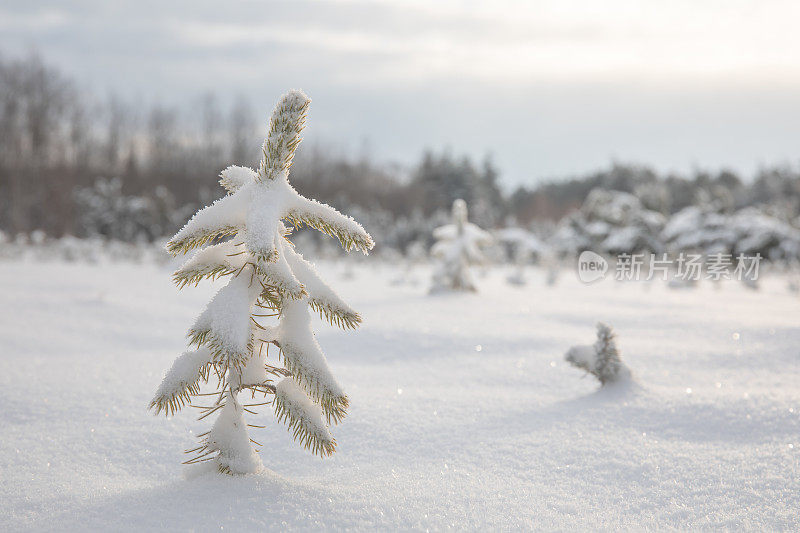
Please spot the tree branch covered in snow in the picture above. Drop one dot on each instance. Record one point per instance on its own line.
(268, 281)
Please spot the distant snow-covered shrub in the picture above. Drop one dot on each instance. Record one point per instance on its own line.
(747, 231)
(458, 246)
(610, 222)
(104, 210)
(601, 359)
(615, 222)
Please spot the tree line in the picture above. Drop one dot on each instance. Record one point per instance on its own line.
(73, 163)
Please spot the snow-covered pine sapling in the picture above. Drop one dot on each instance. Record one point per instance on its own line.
(600, 359)
(266, 301)
(458, 246)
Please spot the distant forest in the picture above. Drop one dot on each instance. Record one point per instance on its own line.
(73, 163)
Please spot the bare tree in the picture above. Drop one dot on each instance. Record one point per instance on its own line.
(242, 131)
(161, 133)
(211, 141)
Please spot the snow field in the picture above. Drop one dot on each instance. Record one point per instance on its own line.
(463, 412)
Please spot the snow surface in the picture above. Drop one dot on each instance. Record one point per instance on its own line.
(462, 414)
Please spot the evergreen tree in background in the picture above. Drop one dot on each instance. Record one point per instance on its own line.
(442, 178)
(458, 246)
(268, 279)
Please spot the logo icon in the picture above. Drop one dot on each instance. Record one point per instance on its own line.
(591, 267)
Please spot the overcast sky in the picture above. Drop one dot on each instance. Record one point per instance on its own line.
(550, 88)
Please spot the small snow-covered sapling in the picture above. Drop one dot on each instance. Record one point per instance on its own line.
(600, 359)
(458, 246)
(267, 300)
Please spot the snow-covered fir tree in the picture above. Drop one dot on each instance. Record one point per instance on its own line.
(601, 359)
(610, 222)
(458, 246)
(271, 290)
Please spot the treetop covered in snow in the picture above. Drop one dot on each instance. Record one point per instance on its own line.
(243, 236)
(260, 199)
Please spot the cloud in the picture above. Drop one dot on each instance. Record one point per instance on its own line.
(415, 42)
(551, 87)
